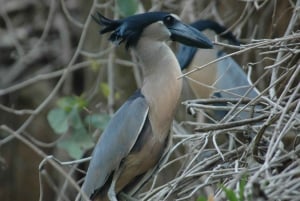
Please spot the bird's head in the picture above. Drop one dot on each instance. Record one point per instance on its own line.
(156, 25)
(186, 54)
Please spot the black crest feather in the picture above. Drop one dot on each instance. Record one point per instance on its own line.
(109, 24)
(128, 29)
(217, 28)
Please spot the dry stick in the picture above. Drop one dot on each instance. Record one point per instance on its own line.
(68, 15)
(204, 101)
(198, 172)
(50, 182)
(280, 121)
(94, 90)
(288, 85)
(265, 98)
(289, 29)
(111, 77)
(46, 76)
(15, 111)
(238, 102)
(240, 20)
(54, 186)
(257, 6)
(6, 139)
(38, 78)
(47, 100)
(40, 153)
(208, 162)
(215, 108)
(280, 99)
(33, 80)
(228, 117)
(107, 4)
(294, 50)
(245, 49)
(19, 66)
(204, 179)
(101, 53)
(149, 192)
(235, 124)
(12, 32)
(64, 37)
(288, 171)
(279, 190)
(214, 140)
(43, 144)
(243, 100)
(111, 82)
(188, 166)
(275, 65)
(272, 119)
(269, 101)
(163, 163)
(232, 124)
(61, 193)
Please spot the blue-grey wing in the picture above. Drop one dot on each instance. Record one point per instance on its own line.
(232, 79)
(232, 82)
(116, 142)
(185, 55)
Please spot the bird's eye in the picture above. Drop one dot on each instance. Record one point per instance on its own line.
(169, 20)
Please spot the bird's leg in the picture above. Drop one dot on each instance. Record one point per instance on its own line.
(111, 191)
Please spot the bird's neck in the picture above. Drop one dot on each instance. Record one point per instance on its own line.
(161, 83)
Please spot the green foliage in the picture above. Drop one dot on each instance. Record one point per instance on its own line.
(231, 195)
(66, 118)
(104, 87)
(201, 198)
(97, 120)
(77, 143)
(58, 120)
(71, 102)
(94, 65)
(242, 185)
(127, 8)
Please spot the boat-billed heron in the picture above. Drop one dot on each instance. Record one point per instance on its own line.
(223, 79)
(135, 138)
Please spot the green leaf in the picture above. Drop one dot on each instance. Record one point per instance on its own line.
(230, 194)
(201, 198)
(242, 187)
(58, 120)
(77, 143)
(67, 117)
(75, 119)
(117, 96)
(97, 120)
(65, 103)
(105, 89)
(95, 65)
(70, 102)
(128, 7)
